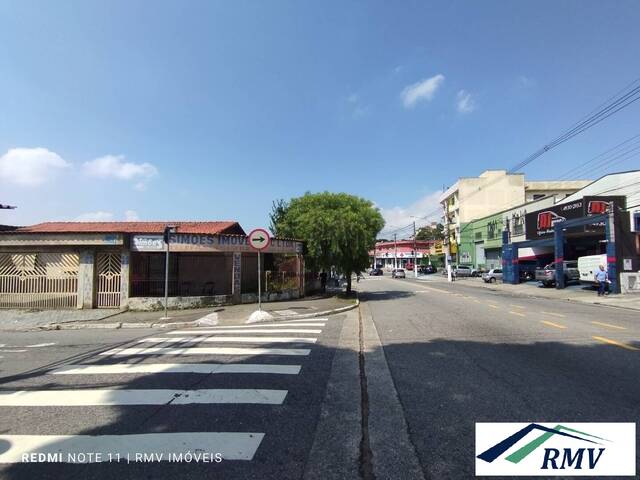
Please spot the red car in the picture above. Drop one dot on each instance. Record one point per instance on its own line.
(409, 266)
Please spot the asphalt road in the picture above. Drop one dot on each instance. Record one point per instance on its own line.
(394, 391)
(271, 415)
(460, 355)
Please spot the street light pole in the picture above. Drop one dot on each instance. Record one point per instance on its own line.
(168, 230)
(395, 251)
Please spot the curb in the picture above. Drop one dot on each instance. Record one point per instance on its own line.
(315, 314)
(194, 323)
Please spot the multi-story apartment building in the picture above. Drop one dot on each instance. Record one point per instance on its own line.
(493, 191)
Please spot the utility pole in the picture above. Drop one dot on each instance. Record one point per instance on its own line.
(395, 251)
(415, 252)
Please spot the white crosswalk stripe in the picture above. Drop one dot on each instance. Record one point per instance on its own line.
(249, 330)
(204, 368)
(221, 339)
(206, 351)
(275, 326)
(204, 342)
(138, 397)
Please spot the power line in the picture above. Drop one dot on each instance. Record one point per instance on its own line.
(612, 160)
(592, 120)
(578, 168)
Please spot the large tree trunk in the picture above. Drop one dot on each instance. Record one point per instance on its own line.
(349, 283)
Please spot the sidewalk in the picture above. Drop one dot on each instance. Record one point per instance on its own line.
(225, 315)
(573, 293)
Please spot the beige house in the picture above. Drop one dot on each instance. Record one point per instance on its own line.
(493, 191)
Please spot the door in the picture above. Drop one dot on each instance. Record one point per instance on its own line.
(479, 255)
(109, 272)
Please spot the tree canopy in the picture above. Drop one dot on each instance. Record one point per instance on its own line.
(338, 229)
(435, 232)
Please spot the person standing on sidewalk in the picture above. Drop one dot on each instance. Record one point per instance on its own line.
(602, 279)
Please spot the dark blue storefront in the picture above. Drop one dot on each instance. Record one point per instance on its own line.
(598, 219)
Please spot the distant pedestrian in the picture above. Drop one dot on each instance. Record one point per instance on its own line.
(323, 281)
(602, 279)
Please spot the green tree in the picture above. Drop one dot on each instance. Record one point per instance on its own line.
(278, 210)
(338, 229)
(431, 233)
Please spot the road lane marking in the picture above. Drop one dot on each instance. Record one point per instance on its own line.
(436, 290)
(252, 330)
(517, 313)
(617, 344)
(232, 445)
(492, 305)
(80, 397)
(206, 368)
(319, 322)
(551, 324)
(37, 345)
(222, 339)
(207, 351)
(608, 325)
(559, 315)
(296, 322)
(13, 351)
(516, 306)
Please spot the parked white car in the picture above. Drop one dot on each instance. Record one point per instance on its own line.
(398, 273)
(588, 266)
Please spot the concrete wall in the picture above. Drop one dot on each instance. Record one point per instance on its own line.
(492, 192)
(86, 277)
(177, 303)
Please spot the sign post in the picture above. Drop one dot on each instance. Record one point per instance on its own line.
(259, 240)
(168, 230)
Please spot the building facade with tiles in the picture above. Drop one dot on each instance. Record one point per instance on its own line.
(122, 265)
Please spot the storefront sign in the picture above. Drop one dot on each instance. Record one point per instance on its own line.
(540, 224)
(193, 242)
(147, 243)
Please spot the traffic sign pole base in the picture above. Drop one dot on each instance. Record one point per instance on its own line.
(259, 316)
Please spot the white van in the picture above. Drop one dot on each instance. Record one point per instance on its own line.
(589, 265)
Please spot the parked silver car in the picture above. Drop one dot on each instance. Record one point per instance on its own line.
(547, 275)
(466, 271)
(493, 275)
(398, 273)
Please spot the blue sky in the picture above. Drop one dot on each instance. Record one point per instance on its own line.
(210, 110)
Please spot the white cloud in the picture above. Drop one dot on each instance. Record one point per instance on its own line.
(424, 90)
(98, 216)
(131, 216)
(397, 217)
(465, 102)
(30, 166)
(353, 98)
(115, 166)
(526, 82)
